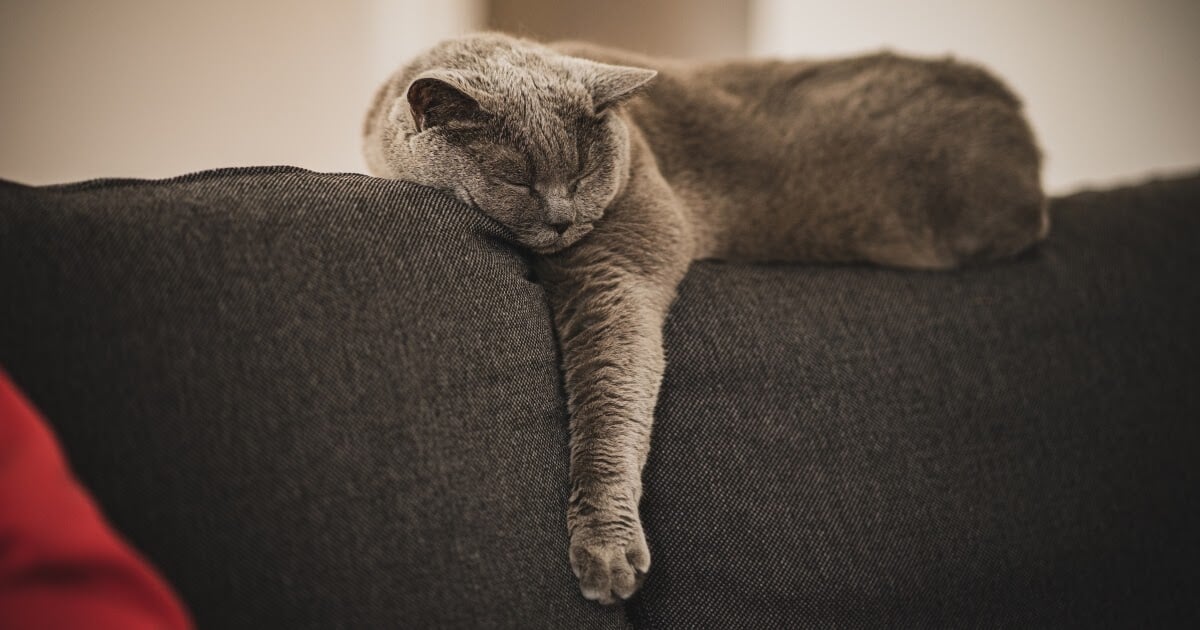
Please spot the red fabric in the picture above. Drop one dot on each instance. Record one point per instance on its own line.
(61, 565)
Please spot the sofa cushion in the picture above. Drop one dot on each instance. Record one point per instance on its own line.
(312, 400)
(330, 400)
(1013, 445)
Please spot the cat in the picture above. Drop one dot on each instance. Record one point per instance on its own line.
(619, 170)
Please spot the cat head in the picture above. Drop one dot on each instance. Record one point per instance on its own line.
(530, 136)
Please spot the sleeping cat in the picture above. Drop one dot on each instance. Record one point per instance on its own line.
(922, 164)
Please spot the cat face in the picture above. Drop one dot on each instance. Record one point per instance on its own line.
(548, 193)
(529, 136)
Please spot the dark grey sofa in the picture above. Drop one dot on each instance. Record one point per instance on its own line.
(320, 400)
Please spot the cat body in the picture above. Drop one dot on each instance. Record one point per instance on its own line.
(880, 158)
(620, 170)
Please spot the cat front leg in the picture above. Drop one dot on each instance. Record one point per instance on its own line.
(609, 325)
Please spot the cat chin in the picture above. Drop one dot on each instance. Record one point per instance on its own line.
(551, 249)
(555, 247)
(573, 236)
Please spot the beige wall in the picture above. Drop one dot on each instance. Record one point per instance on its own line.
(154, 88)
(92, 88)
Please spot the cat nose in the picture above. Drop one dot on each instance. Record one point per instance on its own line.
(559, 213)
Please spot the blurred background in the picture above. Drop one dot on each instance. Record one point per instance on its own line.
(140, 88)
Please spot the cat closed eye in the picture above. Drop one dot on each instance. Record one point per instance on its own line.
(579, 180)
(523, 186)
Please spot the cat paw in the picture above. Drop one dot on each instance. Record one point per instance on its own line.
(609, 569)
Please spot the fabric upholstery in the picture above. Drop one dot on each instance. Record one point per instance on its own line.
(320, 400)
(313, 400)
(1014, 445)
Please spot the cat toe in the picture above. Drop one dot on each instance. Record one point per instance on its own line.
(609, 571)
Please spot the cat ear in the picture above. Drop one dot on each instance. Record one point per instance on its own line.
(438, 98)
(613, 84)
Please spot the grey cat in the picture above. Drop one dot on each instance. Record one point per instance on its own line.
(922, 164)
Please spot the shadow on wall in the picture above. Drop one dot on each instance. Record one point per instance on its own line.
(700, 29)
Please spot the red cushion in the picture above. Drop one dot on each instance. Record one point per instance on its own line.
(61, 565)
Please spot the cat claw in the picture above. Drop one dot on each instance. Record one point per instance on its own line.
(609, 571)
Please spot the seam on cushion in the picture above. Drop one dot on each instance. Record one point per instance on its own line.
(492, 230)
(108, 183)
(215, 173)
(377, 190)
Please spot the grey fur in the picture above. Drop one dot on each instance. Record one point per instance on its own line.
(924, 164)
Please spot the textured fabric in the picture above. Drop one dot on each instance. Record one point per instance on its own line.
(61, 565)
(312, 400)
(332, 400)
(1016, 445)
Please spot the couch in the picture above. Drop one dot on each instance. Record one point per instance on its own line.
(329, 400)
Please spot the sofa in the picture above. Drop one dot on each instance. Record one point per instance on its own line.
(322, 400)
